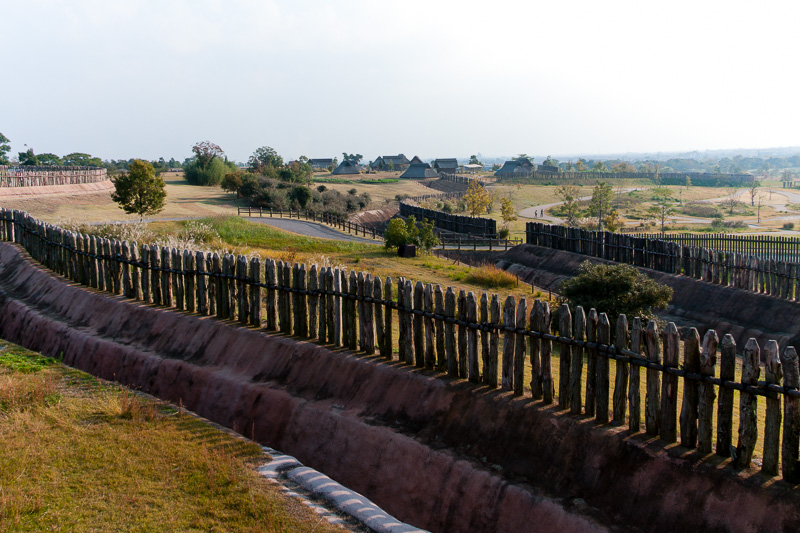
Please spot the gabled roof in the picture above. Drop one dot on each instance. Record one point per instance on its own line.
(321, 161)
(415, 159)
(511, 168)
(445, 163)
(419, 171)
(346, 167)
(399, 159)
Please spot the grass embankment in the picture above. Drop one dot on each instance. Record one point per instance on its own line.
(80, 454)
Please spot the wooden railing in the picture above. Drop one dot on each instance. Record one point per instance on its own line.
(323, 218)
(469, 336)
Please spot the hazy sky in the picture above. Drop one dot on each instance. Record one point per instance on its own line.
(122, 79)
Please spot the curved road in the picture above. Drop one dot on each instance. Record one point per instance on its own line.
(311, 229)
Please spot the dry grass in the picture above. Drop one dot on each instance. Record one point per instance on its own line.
(84, 455)
(491, 277)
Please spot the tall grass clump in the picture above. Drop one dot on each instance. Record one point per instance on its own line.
(490, 277)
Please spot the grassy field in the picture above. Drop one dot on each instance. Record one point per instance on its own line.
(80, 454)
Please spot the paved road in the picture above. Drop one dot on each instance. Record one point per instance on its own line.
(311, 229)
(528, 212)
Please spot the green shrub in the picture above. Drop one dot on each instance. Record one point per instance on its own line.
(490, 277)
(788, 225)
(615, 289)
(211, 174)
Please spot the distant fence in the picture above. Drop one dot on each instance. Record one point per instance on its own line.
(25, 176)
(449, 222)
(761, 246)
(664, 178)
(466, 180)
(467, 336)
(732, 269)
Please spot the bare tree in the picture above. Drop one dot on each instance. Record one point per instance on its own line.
(731, 203)
(753, 191)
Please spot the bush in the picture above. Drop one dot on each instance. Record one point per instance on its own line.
(503, 233)
(697, 209)
(788, 225)
(400, 232)
(615, 290)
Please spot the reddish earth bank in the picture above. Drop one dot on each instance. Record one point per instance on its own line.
(440, 454)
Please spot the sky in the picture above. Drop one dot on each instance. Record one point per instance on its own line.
(124, 78)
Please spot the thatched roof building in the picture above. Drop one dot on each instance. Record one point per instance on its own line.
(346, 167)
(415, 159)
(395, 162)
(419, 171)
(320, 164)
(516, 167)
(448, 166)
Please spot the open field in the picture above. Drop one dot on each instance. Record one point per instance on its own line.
(80, 454)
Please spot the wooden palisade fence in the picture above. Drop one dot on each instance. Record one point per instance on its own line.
(459, 334)
(33, 176)
(732, 269)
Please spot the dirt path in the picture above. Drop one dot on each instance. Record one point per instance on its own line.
(311, 229)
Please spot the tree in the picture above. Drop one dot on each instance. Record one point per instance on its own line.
(600, 204)
(5, 147)
(49, 159)
(688, 182)
(581, 166)
(520, 157)
(663, 205)
(477, 198)
(28, 158)
(549, 161)
(354, 158)
(753, 190)
(622, 168)
(599, 167)
(615, 289)
(400, 232)
(473, 160)
(79, 159)
(139, 190)
(507, 213)
(731, 203)
(569, 195)
(613, 221)
(207, 166)
(264, 159)
(231, 182)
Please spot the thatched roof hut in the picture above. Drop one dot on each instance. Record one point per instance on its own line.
(448, 166)
(395, 162)
(516, 168)
(319, 164)
(345, 167)
(419, 171)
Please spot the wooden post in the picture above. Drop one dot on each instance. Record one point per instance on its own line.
(772, 425)
(791, 417)
(419, 331)
(441, 352)
(707, 393)
(388, 347)
(200, 261)
(576, 372)
(689, 408)
(166, 277)
(409, 339)
(727, 370)
(430, 349)
(403, 346)
(255, 291)
(155, 275)
(449, 332)
(601, 389)
(288, 297)
(380, 326)
(189, 281)
(748, 404)
(136, 284)
(669, 385)
(536, 324)
(565, 361)
(362, 334)
(547, 362)
(369, 326)
(462, 334)
(313, 301)
(509, 338)
(177, 279)
(126, 271)
(322, 333)
(332, 286)
(634, 395)
(242, 289)
(621, 380)
(519, 348)
(490, 371)
(302, 301)
(591, 363)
